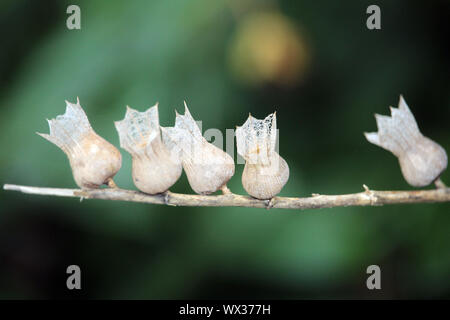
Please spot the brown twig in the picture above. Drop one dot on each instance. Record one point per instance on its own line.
(365, 198)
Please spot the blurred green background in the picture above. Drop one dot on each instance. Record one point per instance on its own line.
(315, 62)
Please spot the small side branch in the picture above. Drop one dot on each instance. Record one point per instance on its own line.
(365, 198)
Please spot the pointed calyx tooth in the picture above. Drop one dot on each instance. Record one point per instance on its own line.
(207, 167)
(256, 139)
(154, 168)
(421, 159)
(138, 129)
(265, 172)
(68, 129)
(94, 161)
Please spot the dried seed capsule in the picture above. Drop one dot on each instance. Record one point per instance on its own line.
(421, 159)
(154, 168)
(94, 160)
(207, 167)
(265, 172)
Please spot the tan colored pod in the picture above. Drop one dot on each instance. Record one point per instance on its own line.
(265, 172)
(207, 167)
(94, 160)
(421, 159)
(154, 168)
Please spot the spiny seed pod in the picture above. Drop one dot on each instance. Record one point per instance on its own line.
(265, 172)
(154, 168)
(94, 160)
(421, 159)
(207, 167)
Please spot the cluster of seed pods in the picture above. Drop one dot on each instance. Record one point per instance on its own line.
(159, 154)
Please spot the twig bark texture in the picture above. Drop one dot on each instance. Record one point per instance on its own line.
(365, 198)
